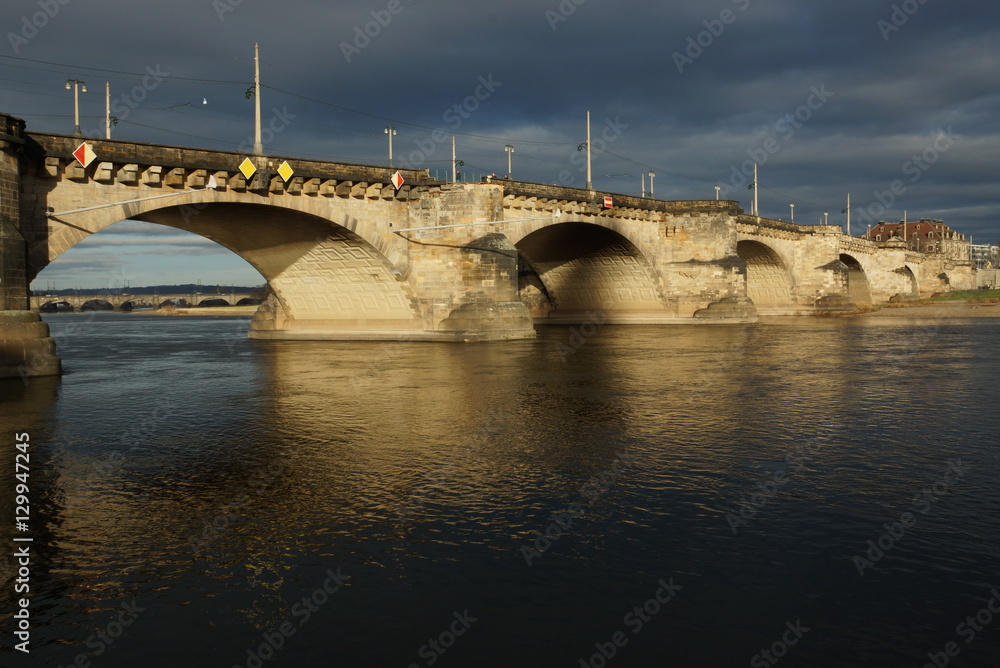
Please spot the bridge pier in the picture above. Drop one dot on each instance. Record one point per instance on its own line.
(26, 349)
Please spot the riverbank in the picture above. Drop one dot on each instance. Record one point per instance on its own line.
(236, 311)
(934, 309)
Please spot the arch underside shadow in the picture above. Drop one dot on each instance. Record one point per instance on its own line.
(769, 283)
(571, 271)
(858, 289)
(322, 275)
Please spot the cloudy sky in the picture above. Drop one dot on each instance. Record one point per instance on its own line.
(894, 103)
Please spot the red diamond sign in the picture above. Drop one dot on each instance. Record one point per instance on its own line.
(84, 154)
(397, 180)
(608, 203)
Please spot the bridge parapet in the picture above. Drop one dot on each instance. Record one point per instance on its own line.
(524, 190)
(155, 165)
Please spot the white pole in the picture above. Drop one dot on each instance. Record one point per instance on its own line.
(792, 207)
(643, 184)
(651, 175)
(904, 224)
(755, 210)
(510, 151)
(258, 147)
(717, 189)
(107, 110)
(454, 162)
(848, 214)
(590, 184)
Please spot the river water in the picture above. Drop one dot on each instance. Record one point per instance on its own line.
(625, 496)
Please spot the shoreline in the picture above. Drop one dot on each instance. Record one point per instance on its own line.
(958, 308)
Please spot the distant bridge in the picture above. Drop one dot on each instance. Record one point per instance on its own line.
(128, 302)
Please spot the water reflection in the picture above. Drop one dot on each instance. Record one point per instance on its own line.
(214, 478)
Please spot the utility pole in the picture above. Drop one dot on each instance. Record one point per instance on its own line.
(848, 210)
(107, 110)
(510, 150)
(590, 184)
(651, 175)
(391, 131)
(78, 87)
(258, 146)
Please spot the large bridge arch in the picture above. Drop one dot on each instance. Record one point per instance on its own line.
(587, 268)
(858, 287)
(320, 270)
(769, 281)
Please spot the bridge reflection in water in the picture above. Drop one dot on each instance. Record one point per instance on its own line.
(421, 471)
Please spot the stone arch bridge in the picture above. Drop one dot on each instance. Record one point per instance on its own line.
(349, 255)
(127, 302)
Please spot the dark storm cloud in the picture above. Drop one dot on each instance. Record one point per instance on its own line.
(695, 88)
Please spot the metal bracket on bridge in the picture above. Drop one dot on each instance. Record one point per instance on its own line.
(212, 184)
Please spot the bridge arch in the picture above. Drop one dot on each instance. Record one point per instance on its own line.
(97, 305)
(57, 306)
(858, 289)
(769, 282)
(319, 269)
(585, 268)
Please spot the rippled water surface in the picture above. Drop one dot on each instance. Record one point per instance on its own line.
(218, 484)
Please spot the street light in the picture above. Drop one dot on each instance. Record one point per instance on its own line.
(78, 87)
(792, 207)
(510, 150)
(391, 131)
(651, 175)
(717, 189)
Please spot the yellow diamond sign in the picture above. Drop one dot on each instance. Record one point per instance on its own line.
(285, 171)
(248, 168)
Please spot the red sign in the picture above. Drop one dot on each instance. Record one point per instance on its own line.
(84, 154)
(397, 180)
(608, 203)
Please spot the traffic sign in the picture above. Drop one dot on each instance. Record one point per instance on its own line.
(247, 168)
(285, 171)
(84, 154)
(608, 203)
(397, 180)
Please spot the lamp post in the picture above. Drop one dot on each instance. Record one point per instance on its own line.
(510, 151)
(651, 175)
(78, 87)
(391, 131)
(717, 189)
(792, 207)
